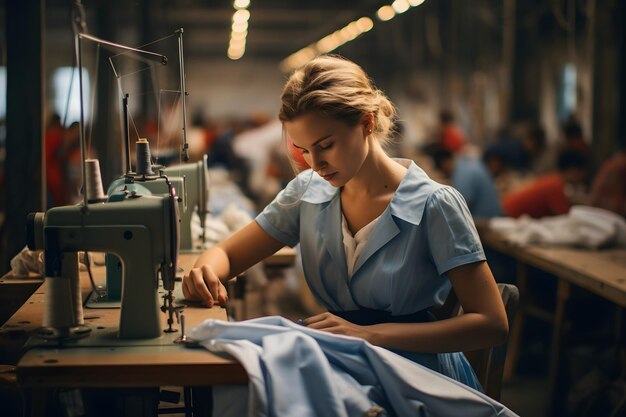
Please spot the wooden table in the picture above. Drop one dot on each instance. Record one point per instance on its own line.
(602, 272)
(153, 363)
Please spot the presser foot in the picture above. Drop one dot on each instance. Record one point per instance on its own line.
(64, 333)
(171, 311)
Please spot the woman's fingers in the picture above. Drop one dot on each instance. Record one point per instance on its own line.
(222, 295)
(204, 285)
(197, 287)
(322, 321)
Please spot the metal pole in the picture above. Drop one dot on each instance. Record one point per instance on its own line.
(183, 92)
(79, 60)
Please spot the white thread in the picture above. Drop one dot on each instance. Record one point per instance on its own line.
(95, 191)
(63, 306)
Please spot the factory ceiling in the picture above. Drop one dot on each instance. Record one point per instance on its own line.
(277, 28)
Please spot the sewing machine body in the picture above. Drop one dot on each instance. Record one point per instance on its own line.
(141, 230)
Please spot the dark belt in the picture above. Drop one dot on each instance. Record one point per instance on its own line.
(367, 316)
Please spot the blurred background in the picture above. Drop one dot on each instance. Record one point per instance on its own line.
(514, 83)
(494, 65)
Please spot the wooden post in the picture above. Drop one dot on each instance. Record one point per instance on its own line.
(25, 166)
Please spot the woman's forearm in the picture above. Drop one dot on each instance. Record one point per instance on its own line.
(467, 332)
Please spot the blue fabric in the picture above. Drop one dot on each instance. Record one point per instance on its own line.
(297, 371)
(425, 231)
(472, 179)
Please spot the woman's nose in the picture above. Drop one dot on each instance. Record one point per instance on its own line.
(317, 163)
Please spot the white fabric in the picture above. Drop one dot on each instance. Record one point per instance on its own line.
(27, 261)
(297, 371)
(583, 226)
(353, 245)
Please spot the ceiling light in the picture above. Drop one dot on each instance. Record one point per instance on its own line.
(241, 15)
(386, 13)
(239, 35)
(240, 26)
(400, 6)
(241, 4)
(364, 24)
(346, 34)
(239, 29)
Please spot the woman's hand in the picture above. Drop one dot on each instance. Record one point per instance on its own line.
(203, 284)
(330, 323)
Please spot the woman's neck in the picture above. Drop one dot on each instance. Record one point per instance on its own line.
(378, 175)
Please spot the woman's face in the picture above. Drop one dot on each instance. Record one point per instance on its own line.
(332, 148)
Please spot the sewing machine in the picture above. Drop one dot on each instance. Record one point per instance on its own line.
(196, 185)
(142, 230)
(191, 184)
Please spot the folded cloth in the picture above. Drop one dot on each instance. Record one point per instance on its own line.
(583, 226)
(27, 261)
(297, 371)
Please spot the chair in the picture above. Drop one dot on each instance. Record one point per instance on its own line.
(488, 363)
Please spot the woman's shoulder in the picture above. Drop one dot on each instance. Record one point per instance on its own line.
(416, 191)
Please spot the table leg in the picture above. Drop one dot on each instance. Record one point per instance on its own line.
(35, 402)
(556, 388)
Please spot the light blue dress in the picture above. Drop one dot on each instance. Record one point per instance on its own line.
(425, 231)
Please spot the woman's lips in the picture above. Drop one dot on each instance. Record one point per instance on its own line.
(329, 176)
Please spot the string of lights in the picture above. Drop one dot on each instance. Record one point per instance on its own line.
(239, 29)
(346, 34)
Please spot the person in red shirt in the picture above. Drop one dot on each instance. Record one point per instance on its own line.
(546, 195)
(451, 138)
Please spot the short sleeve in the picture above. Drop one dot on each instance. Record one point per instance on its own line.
(452, 235)
(281, 218)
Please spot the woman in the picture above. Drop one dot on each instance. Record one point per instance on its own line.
(381, 243)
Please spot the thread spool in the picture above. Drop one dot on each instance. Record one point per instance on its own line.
(93, 180)
(144, 166)
(63, 309)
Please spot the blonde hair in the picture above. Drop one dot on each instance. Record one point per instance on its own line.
(336, 87)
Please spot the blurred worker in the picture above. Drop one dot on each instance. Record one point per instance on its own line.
(473, 180)
(546, 196)
(450, 136)
(573, 137)
(519, 152)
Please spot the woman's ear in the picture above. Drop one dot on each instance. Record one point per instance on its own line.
(368, 124)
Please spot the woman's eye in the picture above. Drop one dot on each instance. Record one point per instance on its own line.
(326, 146)
(303, 151)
